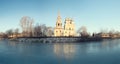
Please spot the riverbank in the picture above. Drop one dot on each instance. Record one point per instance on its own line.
(56, 39)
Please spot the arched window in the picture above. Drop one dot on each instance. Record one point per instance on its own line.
(70, 22)
(58, 24)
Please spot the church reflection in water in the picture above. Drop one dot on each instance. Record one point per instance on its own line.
(69, 50)
(64, 50)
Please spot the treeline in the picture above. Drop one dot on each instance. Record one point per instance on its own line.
(10, 33)
(29, 29)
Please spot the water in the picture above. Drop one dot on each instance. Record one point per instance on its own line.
(104, 52)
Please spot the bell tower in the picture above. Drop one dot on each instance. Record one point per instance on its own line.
(59, 22)
(58, 28)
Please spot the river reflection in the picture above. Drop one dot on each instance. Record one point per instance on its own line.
(102, 52)
(70, 49)
(64, 49)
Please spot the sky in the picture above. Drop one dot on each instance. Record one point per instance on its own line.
(96, 15)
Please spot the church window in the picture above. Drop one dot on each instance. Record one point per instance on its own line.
(71, 22)
(58, 24)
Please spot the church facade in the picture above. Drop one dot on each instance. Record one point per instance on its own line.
(68, 29)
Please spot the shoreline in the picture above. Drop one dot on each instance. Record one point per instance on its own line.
(56, 39)
(59, 39)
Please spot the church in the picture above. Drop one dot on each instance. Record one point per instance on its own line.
(68, 29)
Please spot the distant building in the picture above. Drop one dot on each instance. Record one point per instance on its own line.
(103, 35)
(68, 30)
(107, 35)
(15, 35)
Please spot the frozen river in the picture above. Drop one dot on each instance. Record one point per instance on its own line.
(103, 52)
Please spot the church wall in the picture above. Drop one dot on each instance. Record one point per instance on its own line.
(67, 30)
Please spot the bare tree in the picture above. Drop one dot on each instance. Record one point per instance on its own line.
(16, 32)
(31, 27)
(37, 30)
(50, 31)
(83, 31)
(26, 24)
(9, 33)
(44, 30)
(41, 30)
(3, 35)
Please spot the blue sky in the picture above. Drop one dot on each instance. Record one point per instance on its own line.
(94, 14)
